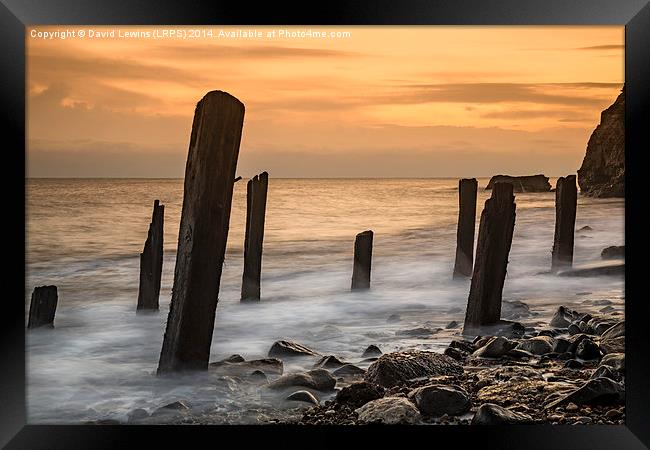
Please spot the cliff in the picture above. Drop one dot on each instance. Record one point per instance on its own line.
(602, 173)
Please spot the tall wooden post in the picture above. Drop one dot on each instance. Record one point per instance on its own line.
(257, 189)
(207, 198)
(151, 261)
(566, 202)
(362, 261)
(43, 306)
(492, 249)
(467, 188)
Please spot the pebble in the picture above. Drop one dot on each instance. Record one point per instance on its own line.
(571, 407)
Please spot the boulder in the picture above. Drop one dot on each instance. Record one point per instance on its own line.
(514, 309)
(613, 252)
(370, 351)
(588, 349)
(496, 347)
(451, 325)
(614, 360)
(244, 368)
(602, 173)
(458, 355)
(437, 400)
(465, 346)
(491, 414)
(563, 317)
(287, 349)
(303, 396)
(538, 345)
(415, 332)
(601, 391)
(360, 393)
(172, 408)
(329, 362)
(615, 331)
(528, 183)
(393, 369)
(136, 415)
(607, 372)
(614, 345)
(348, 369)
(317, 379)
(389, 411)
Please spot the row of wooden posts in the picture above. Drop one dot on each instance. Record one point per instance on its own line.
(203, 232)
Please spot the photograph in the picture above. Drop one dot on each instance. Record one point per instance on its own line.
(325, 225)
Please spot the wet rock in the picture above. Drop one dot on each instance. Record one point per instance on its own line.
(586, 228)
(360, 393)
(303, 396)
(394, 318)
(574, 329)
(458, 355)
(573, 364)
(436, 400)
(463, 345)
(234, 359)
(588, 349)
(348, 369)
(614, 331)
(329, 362)
(519, 354)
(496, 347)
(514, 309)
(172, 408)
(396, 368)
(603, 391)
(599, 325)
(504, 328)
(317, 379)
(389, 411)
(604, 269)
(539, 345)
(574, 342)
(563, 317)
(136, 415)
(607, 372)
(288, 348)
(244, 368)
(561, 345)
(415, 332)
(614, 345)
(371, 350)
(613, 252)
(606, 309)
(614, 360)
(491, 414)
(258, 376)
(451, 325)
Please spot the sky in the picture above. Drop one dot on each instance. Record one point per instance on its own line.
(426, 101)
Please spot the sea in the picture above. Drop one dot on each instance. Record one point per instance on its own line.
(99, 361)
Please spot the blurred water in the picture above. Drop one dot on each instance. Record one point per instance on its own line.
(85, 236)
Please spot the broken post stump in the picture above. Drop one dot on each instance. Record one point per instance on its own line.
(257, 189)
(362, 261)
(566, 202)
(203, 232)
(151, 261)
(43, 307)
(467, 188)
(492, 248)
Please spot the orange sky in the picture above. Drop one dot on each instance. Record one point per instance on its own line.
(385, 101)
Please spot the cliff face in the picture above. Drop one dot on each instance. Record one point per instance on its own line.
(603, 170)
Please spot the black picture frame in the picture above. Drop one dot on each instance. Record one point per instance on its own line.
(16, 15)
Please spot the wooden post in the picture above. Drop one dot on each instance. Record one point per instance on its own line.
(566, 202)
(151, 261)
(43, 307)
(492, 249)
(255, 212)
(467, 188)
(362, 261)
(207, 198)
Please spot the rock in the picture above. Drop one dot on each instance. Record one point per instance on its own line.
(517, 388)
(614, 360)
(458, 355)
(394, 318)
(607, 372)
(602, 173)
(303, 396)
(136, 415)
(573, 364)
(599, 325)
(495, 348)
(613, 414)
(371, 350)
(258, 376)
(329, 362)
(172, 408)
(436, 400)
(604, 391)
(360, 393)
(288, 348)
(539, 345)
(519, 354)
(615, 331)
(507, 373)
(563, 317)
(529, 183)
(574, 329)
(505, 328)
(451, 325)
(348, 369)
(613, 252)
(561, 345)
(514, 309)
(420, 331)
(317, 379)
(389, 411)
(464, 346)
(615, 345)
(606, 309)
(233, 359)
(491, 414)
(586, 228)
(396, 368)
(244, 368)
(595, 270)
(588, 349)
(571, 407)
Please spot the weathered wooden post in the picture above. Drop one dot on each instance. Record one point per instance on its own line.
(257, 189)
(362, 261)
(207, 198)
(566, 202)
(151, 261)
(43, 306)
(492, 249)
(467, 188)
